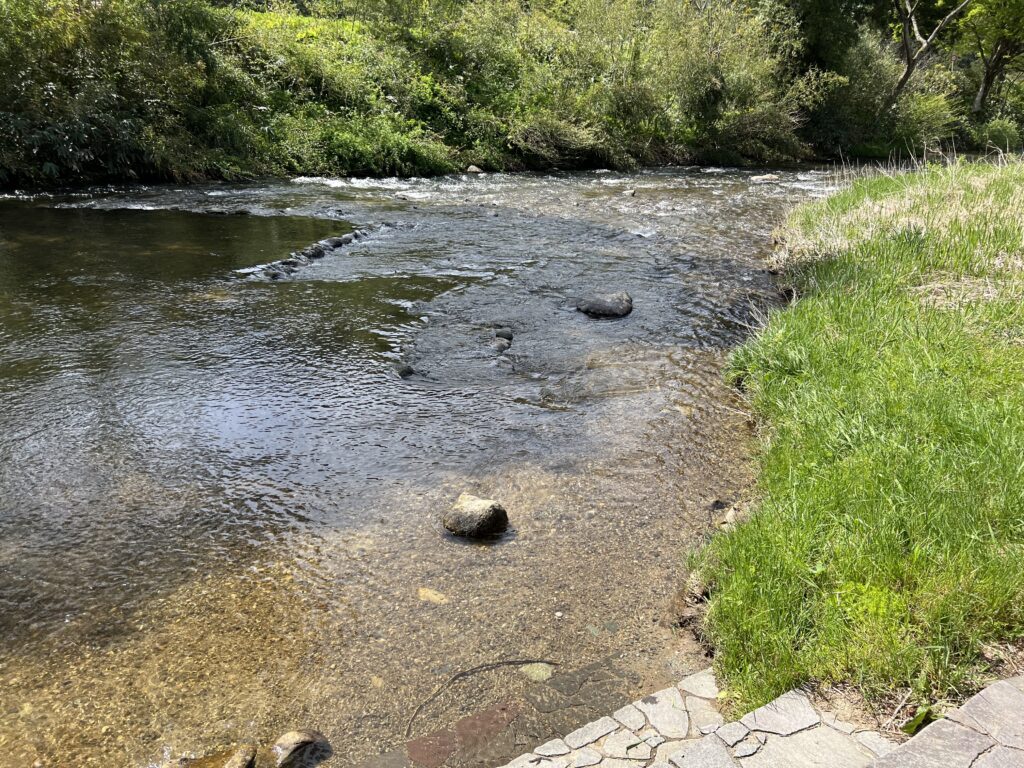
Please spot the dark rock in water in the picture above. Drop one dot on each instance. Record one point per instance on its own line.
(348, 238)
(475, 518)
(606, 305)
(404, 370)
(334, 242)
(300, 748)
(501, 345)
(503, 333)
(315, 251)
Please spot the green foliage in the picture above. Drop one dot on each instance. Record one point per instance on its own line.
(888, 546)
(1000, 134)
(188, 89)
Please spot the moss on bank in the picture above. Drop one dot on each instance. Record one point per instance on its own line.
(888, 545)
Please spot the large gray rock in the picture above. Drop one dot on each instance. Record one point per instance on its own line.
(606, 305)
(474, 517)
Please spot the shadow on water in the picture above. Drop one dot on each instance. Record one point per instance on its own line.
(218, 502)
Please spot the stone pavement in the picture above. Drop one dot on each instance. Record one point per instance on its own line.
(681, 727)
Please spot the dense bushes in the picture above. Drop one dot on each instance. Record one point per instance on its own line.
(203, 88)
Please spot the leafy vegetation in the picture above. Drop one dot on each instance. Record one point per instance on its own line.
(888, 544)
(184, 89)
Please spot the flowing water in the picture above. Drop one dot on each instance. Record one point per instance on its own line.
(219, 503)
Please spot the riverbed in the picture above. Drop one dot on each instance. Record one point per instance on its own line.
(219, 502)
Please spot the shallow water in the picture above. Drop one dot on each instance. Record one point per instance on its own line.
(218, 502)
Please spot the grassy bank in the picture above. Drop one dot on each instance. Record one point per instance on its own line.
(887, 547)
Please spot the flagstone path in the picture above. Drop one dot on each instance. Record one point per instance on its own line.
(681, 727)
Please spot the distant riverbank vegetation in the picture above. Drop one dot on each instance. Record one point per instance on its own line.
(887, 545)
(94, 90)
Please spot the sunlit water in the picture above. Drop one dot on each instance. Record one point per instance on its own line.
(218, 502)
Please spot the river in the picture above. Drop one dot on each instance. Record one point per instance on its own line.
(219, 503)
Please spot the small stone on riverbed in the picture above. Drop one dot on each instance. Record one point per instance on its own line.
(474, 517)
(295, 745)
(606, 305)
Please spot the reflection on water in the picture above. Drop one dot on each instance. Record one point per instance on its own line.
(218, 502)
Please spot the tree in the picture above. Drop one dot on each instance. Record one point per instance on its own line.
(994, 30)
(915, 45)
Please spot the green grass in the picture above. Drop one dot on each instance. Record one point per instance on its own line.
(887, 545)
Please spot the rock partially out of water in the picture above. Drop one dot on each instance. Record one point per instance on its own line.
(474, 517)
(404, 370)
(606, 305)
(300, 748)
(503, 333)
(474, 169)
(501, 345)
(765, 177)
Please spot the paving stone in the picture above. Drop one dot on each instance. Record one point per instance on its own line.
(631, 717)
(943, 744)
(1001, 757)
(701, 684)
(584, 758)
(789, 713)
(875, 741)
(591, 732)
(1017, 682)
(749, 746)
(618, 762)
(732, 733)
(553, 748)
(665, 752)
(832, 721)
(703, 714)
(666, 712)
(811, 748)
(706, 729)
(626, 744)
(660, 765)
(998, 711)
(709, 752)
(654, 740)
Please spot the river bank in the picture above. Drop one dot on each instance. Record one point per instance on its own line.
(886, 547)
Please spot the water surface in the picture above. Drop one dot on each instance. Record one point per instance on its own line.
(218, 502)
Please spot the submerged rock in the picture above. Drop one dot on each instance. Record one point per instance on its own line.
(606, 305)
(765, 177)
(243, 757)
(297, 748)
(404, 370)
(474, 517)
(239, 757)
